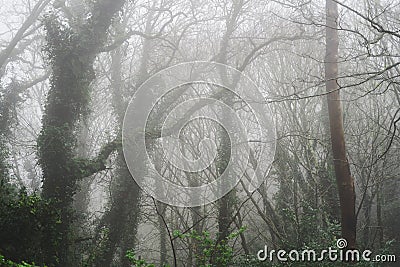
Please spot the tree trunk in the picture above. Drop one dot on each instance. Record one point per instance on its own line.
(163, 234)
(342, 170)
(72, 53)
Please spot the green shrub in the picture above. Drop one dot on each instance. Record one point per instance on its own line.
(9, 263)
(23, 219)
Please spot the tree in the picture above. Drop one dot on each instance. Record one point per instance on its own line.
(71, 53)
(344, 179)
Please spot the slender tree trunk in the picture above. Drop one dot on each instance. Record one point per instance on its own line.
(367, 217)
(342, 170)
(379, 216)
(122, 219)
(163, 234)
(196, 214)
(225, 204)
(239, 225)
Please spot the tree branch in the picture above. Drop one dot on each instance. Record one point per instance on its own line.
(20, 33)
(88, 167)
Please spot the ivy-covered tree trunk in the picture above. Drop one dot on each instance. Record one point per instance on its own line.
(4, 118)
(225, 204)
(121, 221)
(9, 98)
(71, 54)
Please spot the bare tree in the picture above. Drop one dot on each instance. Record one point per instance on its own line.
(342, 169)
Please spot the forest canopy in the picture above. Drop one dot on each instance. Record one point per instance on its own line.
(264, 125)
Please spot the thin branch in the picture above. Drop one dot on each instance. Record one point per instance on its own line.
(21, 32)
(373, 23)
(168, 231)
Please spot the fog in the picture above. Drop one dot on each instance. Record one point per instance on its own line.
(198, 133)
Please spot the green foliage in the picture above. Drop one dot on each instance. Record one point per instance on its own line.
(23, 219)
(251, 260)
(97, 252)
(311, 227)
(9, 263)
(130, 254)
(215, 251)
(254, 262)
